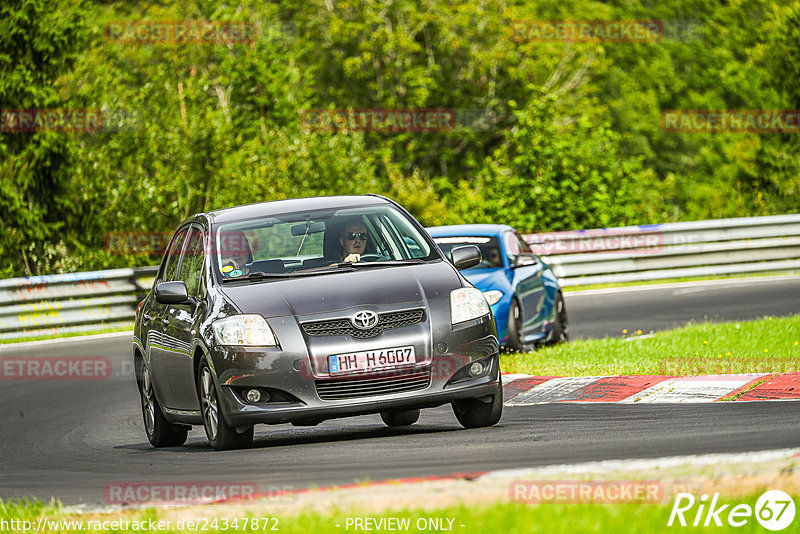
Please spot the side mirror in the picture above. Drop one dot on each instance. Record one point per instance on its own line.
(525, 259)
(172, 293)
(466, 256)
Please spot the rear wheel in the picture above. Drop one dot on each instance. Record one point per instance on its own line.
(160, 432)
(400, 417)
(560, 332)
(475, 413)
(515, 342)
(220, 435)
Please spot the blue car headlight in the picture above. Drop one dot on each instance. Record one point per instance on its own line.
(493, 296)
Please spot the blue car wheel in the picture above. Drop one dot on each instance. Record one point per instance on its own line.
(515, 342)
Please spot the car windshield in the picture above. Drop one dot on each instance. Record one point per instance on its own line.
(489, 246)
(314, 242)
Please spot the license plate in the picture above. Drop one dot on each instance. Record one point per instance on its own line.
(371, 360)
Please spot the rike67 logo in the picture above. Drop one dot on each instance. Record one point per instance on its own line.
(774, 510)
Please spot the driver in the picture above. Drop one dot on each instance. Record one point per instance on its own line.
(493, 257)
(353, 240)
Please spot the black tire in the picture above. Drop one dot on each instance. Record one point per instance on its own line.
(400, 417)
(160, 432)
(220, 435)
(560, 332)
(515, 342)
(474, 413)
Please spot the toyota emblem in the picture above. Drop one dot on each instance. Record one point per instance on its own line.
(364, 319)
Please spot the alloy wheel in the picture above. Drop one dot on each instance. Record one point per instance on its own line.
(210, 404)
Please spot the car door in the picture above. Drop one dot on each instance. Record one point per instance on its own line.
(182, 323)
(527, 280)
(156, 320)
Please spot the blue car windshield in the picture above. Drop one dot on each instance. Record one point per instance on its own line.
(489, 246)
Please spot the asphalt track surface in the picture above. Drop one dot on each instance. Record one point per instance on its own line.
(607, 312)
(68, 439)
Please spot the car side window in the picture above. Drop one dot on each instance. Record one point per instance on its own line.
(523, 246)
(170, 268)
(512, 247)
(192, 265)
(525, 256)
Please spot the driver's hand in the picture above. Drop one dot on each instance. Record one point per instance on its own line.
(352, 258)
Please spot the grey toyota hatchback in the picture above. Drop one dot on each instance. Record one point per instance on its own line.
(298, 311)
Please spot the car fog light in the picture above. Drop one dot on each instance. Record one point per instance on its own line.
(476, 369)
(253, 395)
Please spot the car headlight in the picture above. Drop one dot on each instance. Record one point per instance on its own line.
(467, 303)
(247, 330)
(493, 296)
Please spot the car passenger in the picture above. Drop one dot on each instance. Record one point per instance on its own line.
(235, 253)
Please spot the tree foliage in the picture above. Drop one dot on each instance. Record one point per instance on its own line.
(549, 136)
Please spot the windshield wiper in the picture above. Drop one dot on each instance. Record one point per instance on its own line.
(259, 275)
(411, 261)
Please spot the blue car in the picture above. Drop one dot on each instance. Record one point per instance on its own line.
(523, 292)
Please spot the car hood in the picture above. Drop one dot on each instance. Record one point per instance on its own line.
(486, 279)
(326, 293)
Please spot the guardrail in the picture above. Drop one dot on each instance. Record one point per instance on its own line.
(672, 250)
(79, 302)
(76, 302)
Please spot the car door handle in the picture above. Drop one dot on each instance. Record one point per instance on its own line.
(146, 318)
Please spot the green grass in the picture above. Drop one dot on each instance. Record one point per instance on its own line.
(763, 346)
(680, 279)
(69, 334)
(506, 518)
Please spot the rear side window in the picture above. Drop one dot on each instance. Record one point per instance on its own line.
(192, 264)
(170, 268)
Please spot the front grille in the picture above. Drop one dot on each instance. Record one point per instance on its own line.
(343, 327)
(351, 388)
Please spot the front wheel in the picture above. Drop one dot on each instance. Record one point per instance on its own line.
(400, 417)
(160, 432)
(475, 413)
(220, 435)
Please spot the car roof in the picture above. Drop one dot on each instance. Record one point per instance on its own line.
(275, 207)
(463, 230)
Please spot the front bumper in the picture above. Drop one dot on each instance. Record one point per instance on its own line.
(297, 381)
